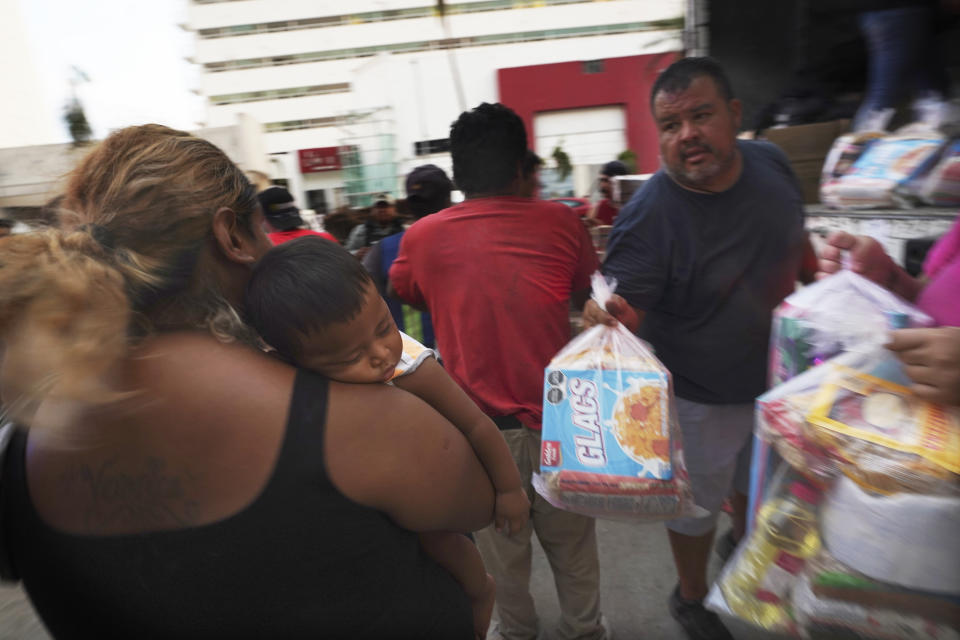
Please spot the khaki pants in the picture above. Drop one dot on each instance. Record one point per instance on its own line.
(570, 543)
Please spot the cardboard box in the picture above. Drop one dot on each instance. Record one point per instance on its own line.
(806, 146)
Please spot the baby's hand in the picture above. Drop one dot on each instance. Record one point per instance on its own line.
(512, 511)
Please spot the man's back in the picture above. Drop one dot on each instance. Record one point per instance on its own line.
(497, 274)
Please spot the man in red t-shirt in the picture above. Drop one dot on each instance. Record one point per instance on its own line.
(605, 211)
(497, 273)
(283, 217)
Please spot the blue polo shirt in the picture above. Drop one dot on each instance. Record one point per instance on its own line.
(709, 269)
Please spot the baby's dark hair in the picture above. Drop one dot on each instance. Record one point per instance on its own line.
(301, 286)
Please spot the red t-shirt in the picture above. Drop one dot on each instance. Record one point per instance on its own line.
(606, 211)
(279, 237)
(496, 275)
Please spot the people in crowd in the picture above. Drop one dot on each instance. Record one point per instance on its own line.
(497, 273)
(382, 222)
(605, 211)
(318, 306)
(702, 254)
(931, 357)
(428, 190)
(283, 217)
(181, 483)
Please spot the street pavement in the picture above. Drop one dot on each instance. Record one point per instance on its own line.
(636, 577)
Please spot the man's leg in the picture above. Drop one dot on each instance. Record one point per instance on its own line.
(508, 558)
(569, 541)
(570, 544)
(714, 438)
(691, 554)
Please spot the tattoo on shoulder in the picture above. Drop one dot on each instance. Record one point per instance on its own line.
(153, 496)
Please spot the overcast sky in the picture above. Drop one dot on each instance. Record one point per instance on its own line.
(132, 51)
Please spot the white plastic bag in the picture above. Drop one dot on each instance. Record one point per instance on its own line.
(840, 313)
(611, 443)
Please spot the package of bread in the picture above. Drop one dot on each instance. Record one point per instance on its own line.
(611, 445)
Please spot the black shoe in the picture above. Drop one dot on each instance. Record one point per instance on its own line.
(699, 623)
(726, 545)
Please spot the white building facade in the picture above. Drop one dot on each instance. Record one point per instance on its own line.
(381, 80)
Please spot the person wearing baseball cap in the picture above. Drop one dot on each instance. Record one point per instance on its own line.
(382, 222)
(428, 191)
(283, 217)
(605, 211)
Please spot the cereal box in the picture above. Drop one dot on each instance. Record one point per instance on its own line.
(620, 423)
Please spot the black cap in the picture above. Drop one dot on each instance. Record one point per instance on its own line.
(279, 208)
(428, 183)
(614, 168)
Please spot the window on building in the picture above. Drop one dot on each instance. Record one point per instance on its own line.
(472, 41)
(374, 16)
(317, 200)
(428, 147)
(592, 66)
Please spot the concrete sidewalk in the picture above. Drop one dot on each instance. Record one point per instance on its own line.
(636, 578)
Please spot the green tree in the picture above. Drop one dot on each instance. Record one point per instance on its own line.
(77, 123)
(629, 159)
(563, 162)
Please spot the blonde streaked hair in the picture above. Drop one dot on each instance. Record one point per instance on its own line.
(135, 217)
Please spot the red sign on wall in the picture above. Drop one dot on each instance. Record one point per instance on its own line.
(319, 159)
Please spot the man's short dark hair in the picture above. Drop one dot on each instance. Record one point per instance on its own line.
(678, 76)
(301, 286)
(488, 145)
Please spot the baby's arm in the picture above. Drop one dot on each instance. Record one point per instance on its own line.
(431, 383)
(455, 553)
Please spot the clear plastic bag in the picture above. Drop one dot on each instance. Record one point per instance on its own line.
(830, 579)
(872, 180)
(856, 415)
(822, 617)
(611, 445)
(840, 313)
(757, 583)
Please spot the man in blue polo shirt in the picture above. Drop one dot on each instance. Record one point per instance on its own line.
(703, 253)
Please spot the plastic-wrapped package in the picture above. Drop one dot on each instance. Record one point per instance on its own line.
(882, 436)
(830, 579)
(862, 529)
(611, 445)
(887, 163)
(842, 312)
(855, 414)
(937, 182)
(757, 582)
(888, 464)
(845, 150)
(822, 617)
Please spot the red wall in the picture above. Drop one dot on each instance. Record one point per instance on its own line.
(564, 85)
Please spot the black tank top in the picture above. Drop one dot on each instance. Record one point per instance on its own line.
(303, 561)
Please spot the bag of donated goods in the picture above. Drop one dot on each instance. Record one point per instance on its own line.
(611, 445)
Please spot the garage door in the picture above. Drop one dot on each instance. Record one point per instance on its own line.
(589, 136)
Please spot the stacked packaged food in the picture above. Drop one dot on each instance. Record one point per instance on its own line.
(855, 529)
